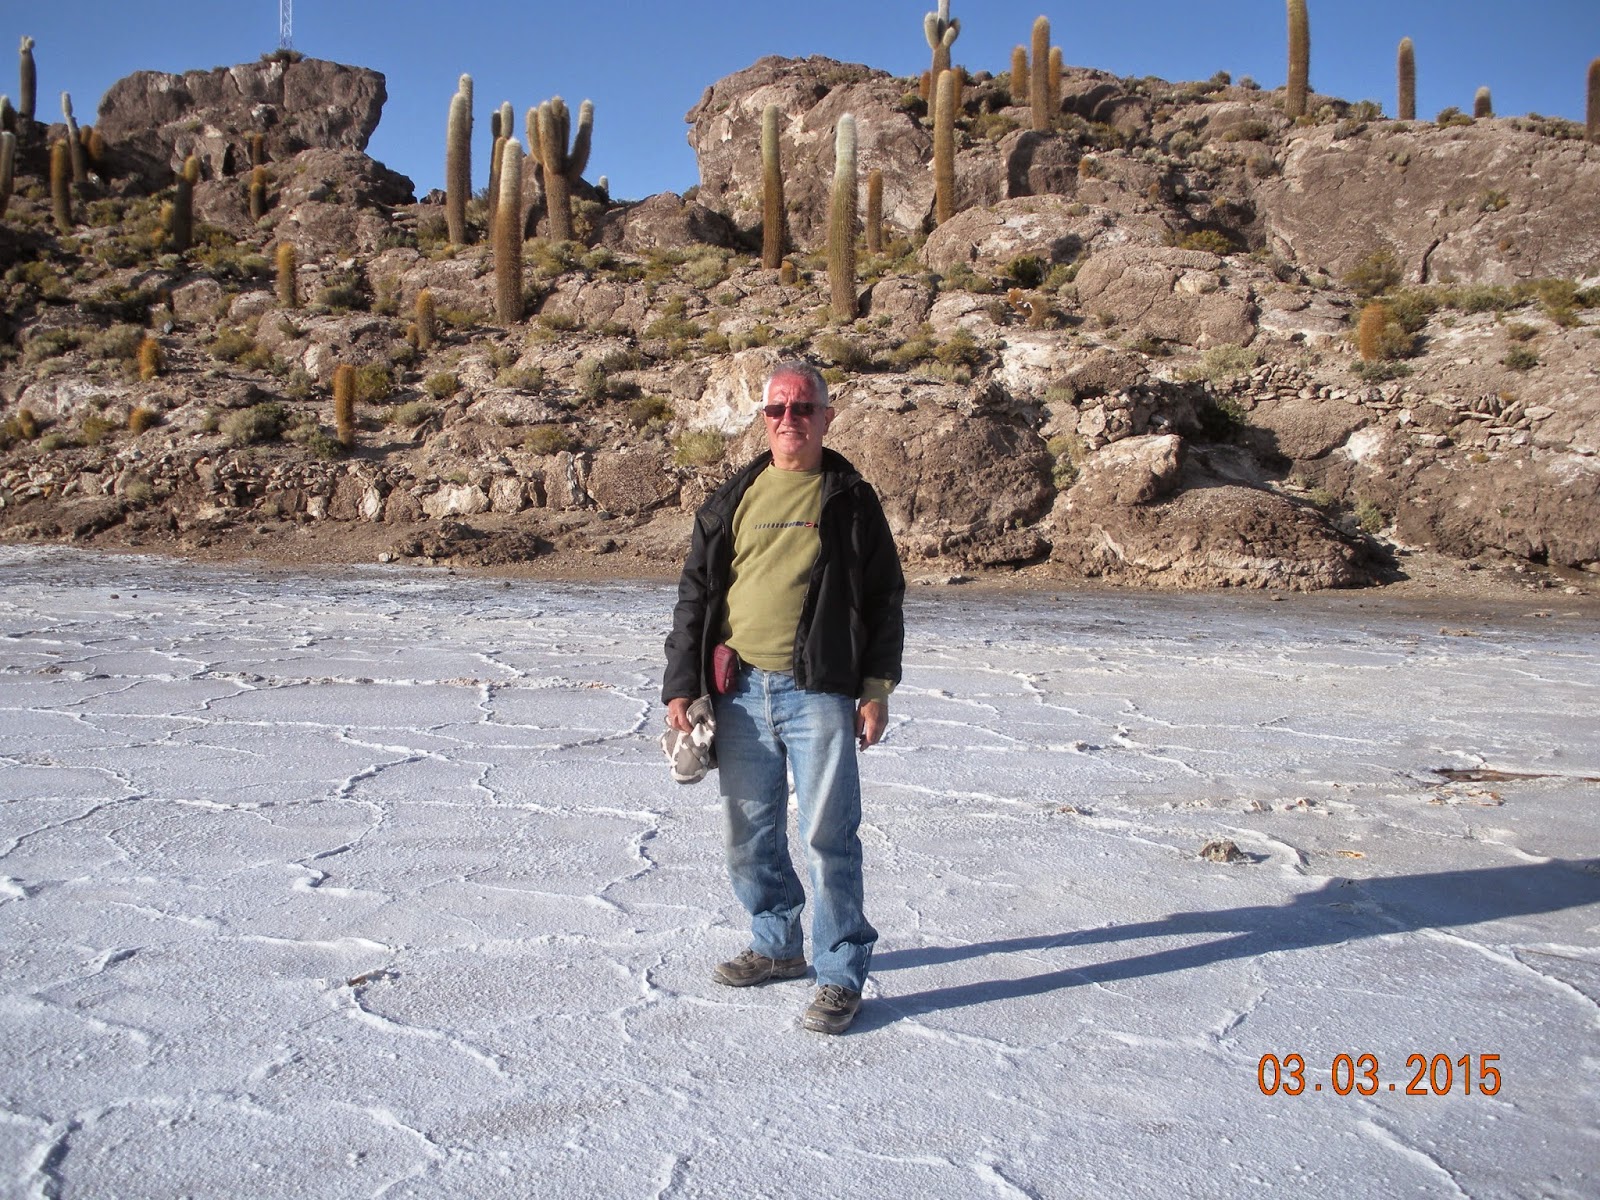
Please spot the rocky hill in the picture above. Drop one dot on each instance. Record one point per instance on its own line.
(1177, 339)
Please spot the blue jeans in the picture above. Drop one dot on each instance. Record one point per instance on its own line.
(765, 725)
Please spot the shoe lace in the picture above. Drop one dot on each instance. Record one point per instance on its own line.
(831, 995)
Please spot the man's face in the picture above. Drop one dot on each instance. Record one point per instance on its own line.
(796, 441)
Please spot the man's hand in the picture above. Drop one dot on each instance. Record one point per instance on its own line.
(872, 717)
(678, 714)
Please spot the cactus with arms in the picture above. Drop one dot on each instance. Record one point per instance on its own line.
(941, 33)
(563, 167)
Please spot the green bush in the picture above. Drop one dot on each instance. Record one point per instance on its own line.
(549, 439)
(650, 412)
(231, 344)
(410, 414)
(1520, 358)
(1222, 363)
(1373, 275)
(844, 352)
(962, 350)
(699, 449)
(252, 426)
(374, 383)
(442, 384)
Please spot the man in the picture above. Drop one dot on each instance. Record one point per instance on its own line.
(792, 566)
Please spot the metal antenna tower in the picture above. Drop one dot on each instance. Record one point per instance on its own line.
(285, 24)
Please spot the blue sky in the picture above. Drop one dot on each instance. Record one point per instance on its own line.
(645, 65)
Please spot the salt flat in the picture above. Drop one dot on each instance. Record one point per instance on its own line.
(375, 883)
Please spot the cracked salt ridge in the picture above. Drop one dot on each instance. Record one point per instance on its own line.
(530, 908)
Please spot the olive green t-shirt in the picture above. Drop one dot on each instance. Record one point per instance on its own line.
(775, 546)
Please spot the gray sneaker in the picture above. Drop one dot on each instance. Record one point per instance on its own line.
(832, 1009)
(751, 968)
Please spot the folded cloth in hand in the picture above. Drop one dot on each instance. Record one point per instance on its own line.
(692, 754)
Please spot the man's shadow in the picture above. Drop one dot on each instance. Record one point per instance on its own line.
(1339, 911)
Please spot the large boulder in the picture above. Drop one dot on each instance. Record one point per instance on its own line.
(1123, 521)
(664, 222)
(950, 482)
(1171, 294)
(1486, 203)
(157, 120)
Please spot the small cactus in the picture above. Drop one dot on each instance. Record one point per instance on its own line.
(288, 290)
(61, 185)
(1375, 319)
(344, 405)
(8, 168)
(258, 149)
(508, 235)
(458, 165)
(1039, 76)
(28, 80)
(788, 274)
(842, 222)
(1592, 113)
(1406, 68)
(944, 149)
(1019, 74)
(563, 167)
(941, 33)
(491, 198)
(875, 212)
(258, 192)
(427, 321)
(1482, 103)
(95, 145)
(8, 115)
(150, 360)
(1299, 60)
(771, 190)
(80, 167)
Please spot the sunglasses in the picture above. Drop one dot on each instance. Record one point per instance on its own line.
(800, 408)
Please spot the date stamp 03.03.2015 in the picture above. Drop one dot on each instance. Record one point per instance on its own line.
(1425, 1075)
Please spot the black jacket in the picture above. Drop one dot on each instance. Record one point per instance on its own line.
(851, 625)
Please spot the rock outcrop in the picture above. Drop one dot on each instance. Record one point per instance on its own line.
(157, 120)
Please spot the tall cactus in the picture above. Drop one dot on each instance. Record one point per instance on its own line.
(8, 115)
(1592, 112)
(1019, 74)
(941, 33)
(944, 148)
(258, 192)
(563, 167)
(288, 289)
(1039, 76)
(1056, 71)
(8, 168)
(427, 321)
(344, 405)
(508, 235)
(772, 213)
(1299, 59)
(842, 221)
(80, 167)
(180, 235)
(1482, 103)
(61, 185)
(874, 212)
(1406, 69)
(458, 166)
(29, 80)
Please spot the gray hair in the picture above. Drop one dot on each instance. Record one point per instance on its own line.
(799, 368)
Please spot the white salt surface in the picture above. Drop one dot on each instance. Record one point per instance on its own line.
(375, 883)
